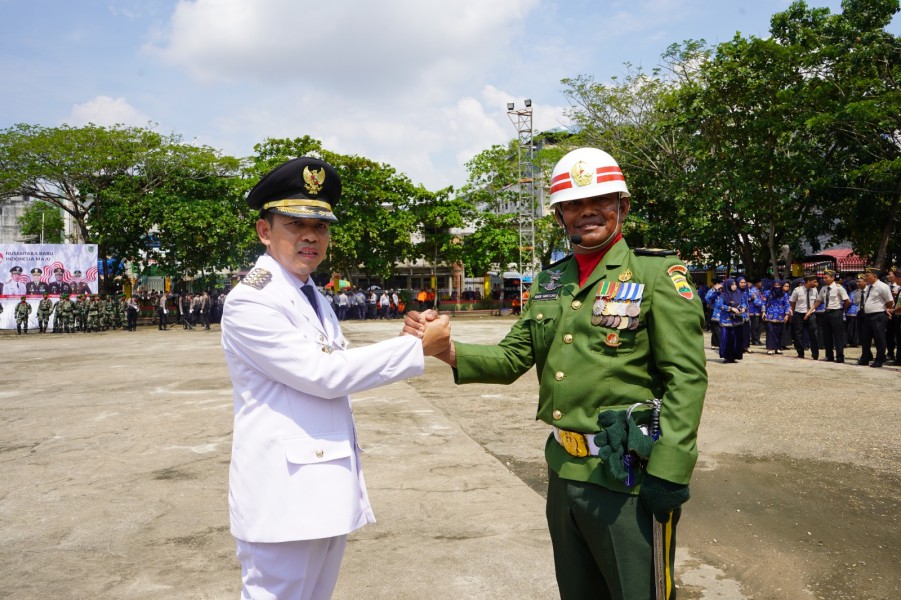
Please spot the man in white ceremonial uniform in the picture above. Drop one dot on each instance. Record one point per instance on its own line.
(296, 488)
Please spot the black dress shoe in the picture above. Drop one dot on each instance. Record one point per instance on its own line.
(861, 363)
(839, 360)
(876, 364)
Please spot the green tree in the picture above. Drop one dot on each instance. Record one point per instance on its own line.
(852, 70)
(120, 183)
(42, 223)
(375, 214)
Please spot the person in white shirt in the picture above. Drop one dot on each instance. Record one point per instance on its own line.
(296, 487)
(834, 299)
(802, 302)
(877, 305)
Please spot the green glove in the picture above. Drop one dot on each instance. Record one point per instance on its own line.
(662, 497)
(638, 443)
(611, 442)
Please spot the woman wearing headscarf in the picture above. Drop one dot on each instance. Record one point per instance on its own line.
(788, 335)
(732, 319)
(746, 325)
(714, 300)
(775, 314)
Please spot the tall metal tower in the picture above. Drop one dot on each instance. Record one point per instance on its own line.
(522, 121)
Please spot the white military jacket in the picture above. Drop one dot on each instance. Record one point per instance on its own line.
(295, 472)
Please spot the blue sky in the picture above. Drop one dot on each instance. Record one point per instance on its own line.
(419, 84)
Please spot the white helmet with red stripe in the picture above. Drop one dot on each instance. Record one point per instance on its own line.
(586, 173)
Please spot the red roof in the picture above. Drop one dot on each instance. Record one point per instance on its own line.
(845, 259)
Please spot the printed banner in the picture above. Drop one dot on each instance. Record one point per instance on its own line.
(31, 270)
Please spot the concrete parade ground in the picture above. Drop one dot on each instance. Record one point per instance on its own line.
(114, 452)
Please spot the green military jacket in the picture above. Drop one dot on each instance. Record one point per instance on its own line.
(45, 307)
(585, 368)
(23, 309)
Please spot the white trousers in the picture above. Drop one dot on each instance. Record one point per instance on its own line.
(301, 570)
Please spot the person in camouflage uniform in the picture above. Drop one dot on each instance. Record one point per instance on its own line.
(65, 314)
(94, 310)
(106, 316)
(121, 310)
(81, 313)
(23, 310)
(45, 308)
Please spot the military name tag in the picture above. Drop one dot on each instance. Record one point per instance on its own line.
(545, 296)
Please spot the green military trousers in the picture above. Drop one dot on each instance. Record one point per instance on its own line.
(602, 542)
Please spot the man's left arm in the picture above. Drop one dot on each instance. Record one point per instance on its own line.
(676, 338)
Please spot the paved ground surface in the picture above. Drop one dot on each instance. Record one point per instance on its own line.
(114, 451)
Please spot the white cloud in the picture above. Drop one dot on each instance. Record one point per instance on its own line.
(107, 111)
(362, 47)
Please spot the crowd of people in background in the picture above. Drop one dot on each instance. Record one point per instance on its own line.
(807, 314)
(189, 310)
(351, 303)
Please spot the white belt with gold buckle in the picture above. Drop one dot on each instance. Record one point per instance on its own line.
(575, 443)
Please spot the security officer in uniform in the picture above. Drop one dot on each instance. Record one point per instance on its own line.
(835, 300)
(295, 484)
(606, 328)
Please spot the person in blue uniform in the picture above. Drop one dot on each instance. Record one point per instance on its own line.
(296, 487)
(713, 298)
(732, 319)
(776, 313)
(755, 311)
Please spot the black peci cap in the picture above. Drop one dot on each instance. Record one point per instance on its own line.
(304, 187)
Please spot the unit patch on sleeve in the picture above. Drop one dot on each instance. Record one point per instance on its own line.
(677, 275)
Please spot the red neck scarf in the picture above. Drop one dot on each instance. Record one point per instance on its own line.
(587, 262)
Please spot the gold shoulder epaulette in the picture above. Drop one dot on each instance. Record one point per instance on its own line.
(653, 252)
(257, 278)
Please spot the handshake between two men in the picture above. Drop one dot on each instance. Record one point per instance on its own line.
(434, 331)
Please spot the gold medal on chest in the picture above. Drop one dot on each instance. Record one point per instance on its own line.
(625, 275)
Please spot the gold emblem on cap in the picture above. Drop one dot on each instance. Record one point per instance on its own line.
(581, 173)
(314, 180)
(625, 276)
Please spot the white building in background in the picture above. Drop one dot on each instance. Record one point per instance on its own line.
(12, 209)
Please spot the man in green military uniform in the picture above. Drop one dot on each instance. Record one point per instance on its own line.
(23, 310)
(120, 310)
(606, 328)
(45, 308)
(81, 313)
(94, 311)
(65, 314)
